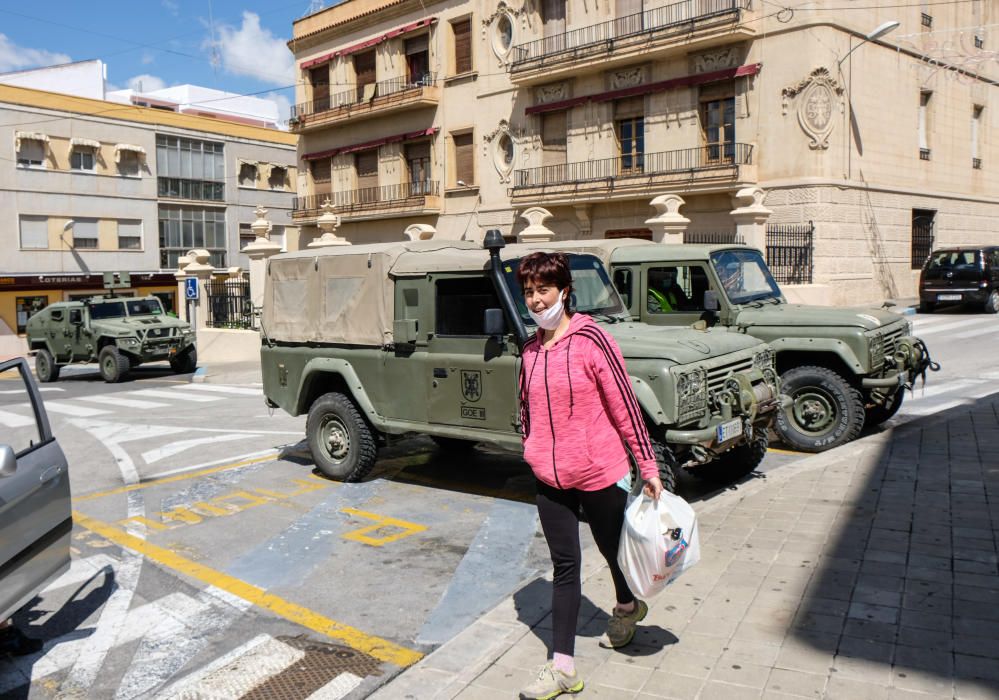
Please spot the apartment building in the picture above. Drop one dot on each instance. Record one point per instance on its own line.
(461, 115)
(89, 186)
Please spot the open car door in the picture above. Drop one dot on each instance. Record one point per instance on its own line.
(35, 517)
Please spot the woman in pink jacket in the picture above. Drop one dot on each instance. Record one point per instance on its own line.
(580, 420)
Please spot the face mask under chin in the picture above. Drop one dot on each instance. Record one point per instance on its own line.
(550, 317)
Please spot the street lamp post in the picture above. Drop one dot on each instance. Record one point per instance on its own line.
(876, 33)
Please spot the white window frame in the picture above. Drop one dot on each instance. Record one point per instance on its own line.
(79, 152)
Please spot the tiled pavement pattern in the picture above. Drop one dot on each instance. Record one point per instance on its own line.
(865, 572)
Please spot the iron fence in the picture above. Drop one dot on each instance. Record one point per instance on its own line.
(676, 18)
(712, 237)
(348, 200)
(790, 252)
(922, 239)
(229, 303)
(356, 95)
(721, 155)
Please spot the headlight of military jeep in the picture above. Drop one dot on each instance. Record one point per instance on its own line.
(764, 360)
(691, 393)
(130, 341)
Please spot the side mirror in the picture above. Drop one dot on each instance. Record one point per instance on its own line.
(711, 300)
(8, 461)
(405, 330)
(494, 323)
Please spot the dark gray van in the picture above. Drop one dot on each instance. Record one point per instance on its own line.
(965, 275)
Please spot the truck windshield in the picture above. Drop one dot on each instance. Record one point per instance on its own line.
(144, 307)
(592, 294)
(108, 309)
(744, 276)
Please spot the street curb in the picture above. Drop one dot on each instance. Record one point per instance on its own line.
(200, 375)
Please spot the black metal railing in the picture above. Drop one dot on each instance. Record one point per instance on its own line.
(360, 94)
(790, 252)
(229, 303)
(687, 160)
(676, 18)
(922, 240)
(712, 237)
(348, 200)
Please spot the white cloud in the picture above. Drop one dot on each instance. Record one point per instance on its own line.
(252, 51)
(145, 83)
(172, 7)
(147, 58)
(283, 105)
(14, 57)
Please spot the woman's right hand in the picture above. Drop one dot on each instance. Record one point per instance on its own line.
(653, 488)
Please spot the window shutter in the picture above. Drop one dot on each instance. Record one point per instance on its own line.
(34, 232)
(553, 138)
(366, 163)
(364, 68)
(320, 79)
(630, 107)
(417, 44)
(462, 46)
(464, 159)
(553, 13)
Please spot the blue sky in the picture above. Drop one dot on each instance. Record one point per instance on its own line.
(223, 44)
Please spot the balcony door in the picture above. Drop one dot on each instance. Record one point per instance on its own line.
(418, 60)
(320, 79)
(629, 123)
(364, 75)
(366, 163)
(418, 167)
(553, 147)
(718, 120)
(553, 21)
(628, 17)
(322, 180)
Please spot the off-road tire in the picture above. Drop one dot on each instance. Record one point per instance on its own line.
(927, 307)
(334, 416)
(666, 462)
(453, 445)
(834, 406)
(991, 305)
(876, 415)
(114, 365)
(737, 463)
(186, 362)
(46, 368)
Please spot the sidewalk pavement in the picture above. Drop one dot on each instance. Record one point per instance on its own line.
(865, 572)
(228, 373)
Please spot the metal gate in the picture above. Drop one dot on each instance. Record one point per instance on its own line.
(922, 236)
(790, 252)
(229, 303)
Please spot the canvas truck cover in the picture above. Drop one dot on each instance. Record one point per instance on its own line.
(345, 294)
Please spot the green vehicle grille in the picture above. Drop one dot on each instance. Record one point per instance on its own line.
(716, 376)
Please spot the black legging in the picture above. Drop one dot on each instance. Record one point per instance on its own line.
(559, 513)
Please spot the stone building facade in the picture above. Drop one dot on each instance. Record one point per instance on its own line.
(462, 115)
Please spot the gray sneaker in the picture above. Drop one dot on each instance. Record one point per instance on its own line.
(621, 626)
(551, 683)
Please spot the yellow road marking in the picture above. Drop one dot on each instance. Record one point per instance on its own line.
(777, 451)
(377, 647)
(178, 477)
(381, 521)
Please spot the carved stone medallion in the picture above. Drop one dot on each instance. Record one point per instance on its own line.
(551, 93)
(716, 59)
(819, 98)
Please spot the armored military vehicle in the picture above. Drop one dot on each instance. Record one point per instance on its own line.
(842, 368)
(378, 341)
(116, 332)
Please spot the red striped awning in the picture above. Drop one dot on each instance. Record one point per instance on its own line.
(410, 136)
(661, 86)
(354, 48)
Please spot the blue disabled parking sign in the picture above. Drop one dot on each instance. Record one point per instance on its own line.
(191, 288)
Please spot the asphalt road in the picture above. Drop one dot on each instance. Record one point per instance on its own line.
(210, 558)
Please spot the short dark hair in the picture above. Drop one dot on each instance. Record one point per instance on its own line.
(547, 268)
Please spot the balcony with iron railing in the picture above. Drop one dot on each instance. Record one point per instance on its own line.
(374, 99)
(385, 201)
(681, 24)
(703, 168)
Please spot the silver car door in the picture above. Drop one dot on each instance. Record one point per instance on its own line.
(35, 517)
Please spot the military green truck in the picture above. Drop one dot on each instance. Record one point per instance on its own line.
(378, 341)
(118, 333)
(841, 368)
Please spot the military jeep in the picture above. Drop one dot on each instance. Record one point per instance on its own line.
(378, 341)
(842, 368)
(118, 333)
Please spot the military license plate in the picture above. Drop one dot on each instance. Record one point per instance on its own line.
(948, 297)
(728, 430)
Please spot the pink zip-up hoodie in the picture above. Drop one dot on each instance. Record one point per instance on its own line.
(579, 412)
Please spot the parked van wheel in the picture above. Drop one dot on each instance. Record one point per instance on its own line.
(737, 463)
(45, 367)
(826, 410)
(992, 303)
(114, 365)
(342, 445)
(186, 362)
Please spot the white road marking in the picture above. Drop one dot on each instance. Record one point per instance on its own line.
(70, 409)
(82, 570)
(23, 392)
(220, 388)
(944, 388)
(975, 333)
(182, 445)
(242, 674)
(337, 688)
(938, 328)
(195, 677)
(13, 420)
(922, 410)
(116, 400)
(108, 432)
(224, 460)
(173, 395)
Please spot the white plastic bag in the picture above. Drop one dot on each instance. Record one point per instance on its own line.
(659, 541)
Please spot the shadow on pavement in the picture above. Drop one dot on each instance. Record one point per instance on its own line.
(906, 593)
